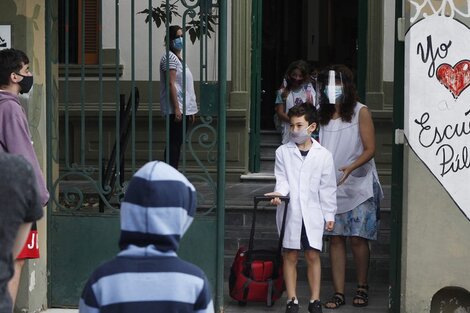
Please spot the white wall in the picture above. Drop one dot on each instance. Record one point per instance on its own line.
(141, 45)
(389, 40)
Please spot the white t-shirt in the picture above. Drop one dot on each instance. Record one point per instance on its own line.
(305, 93)
(175, 64)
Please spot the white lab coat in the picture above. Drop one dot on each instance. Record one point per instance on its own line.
(311, 185)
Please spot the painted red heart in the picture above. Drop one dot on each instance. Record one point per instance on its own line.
(455, 78)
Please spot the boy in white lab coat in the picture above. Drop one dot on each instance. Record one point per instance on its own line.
(304, 171)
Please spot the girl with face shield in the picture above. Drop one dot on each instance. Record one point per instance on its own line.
(295, 89)
(347, 131)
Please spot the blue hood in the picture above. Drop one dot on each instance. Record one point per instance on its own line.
(158, 208)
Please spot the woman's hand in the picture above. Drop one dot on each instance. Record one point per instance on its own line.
(346, 171)
(275, 200)
(178, 115)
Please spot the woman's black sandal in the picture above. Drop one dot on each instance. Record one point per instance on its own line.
(337, 300)
(361, 299)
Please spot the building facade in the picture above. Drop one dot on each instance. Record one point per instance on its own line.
(87, 77)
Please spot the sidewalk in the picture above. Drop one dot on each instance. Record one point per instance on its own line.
(378, 302)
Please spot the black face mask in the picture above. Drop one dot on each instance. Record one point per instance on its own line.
(296, 82)
(26, 83)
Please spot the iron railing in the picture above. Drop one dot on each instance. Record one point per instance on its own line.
(89, 124)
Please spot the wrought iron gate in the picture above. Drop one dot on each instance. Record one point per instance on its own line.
(104, 122)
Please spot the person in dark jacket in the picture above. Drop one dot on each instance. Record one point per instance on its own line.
(18, 209)
(147, 275)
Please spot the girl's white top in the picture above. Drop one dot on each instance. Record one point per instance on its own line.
(304, 93)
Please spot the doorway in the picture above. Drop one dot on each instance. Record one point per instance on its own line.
(319, 32)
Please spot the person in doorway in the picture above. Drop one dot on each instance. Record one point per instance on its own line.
(304, 171)
(19, 207)
(347, 131)
(296, 89)
(315, 69)
(147, 275)
(15, 137)
(177, 99)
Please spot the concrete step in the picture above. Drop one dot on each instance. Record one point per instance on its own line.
(239, 210)
(268, 153)
(268, 239)
(270, 137)
(378, 300)
(378, 268)
(265, 175)
(269, 142)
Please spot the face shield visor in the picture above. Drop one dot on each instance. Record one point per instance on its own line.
(333, 89)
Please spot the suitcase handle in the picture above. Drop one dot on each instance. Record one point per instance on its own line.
(258, 199)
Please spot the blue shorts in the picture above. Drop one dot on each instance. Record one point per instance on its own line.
(360, 221)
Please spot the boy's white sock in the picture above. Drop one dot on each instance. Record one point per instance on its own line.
(296, 301)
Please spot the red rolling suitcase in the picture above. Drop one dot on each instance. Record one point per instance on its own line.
(256, 275)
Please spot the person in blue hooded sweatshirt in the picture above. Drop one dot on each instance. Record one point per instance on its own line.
(147, 275)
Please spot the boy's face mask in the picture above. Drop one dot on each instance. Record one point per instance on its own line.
(300, 136)
(26, 83)
(295, 81)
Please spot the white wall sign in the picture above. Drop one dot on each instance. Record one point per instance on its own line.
(5, 36)
(437, 101)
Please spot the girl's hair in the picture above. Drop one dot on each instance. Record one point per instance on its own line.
(300, 65)
(349, 100)
(172, 31)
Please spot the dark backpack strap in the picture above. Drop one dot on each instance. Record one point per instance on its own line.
(246, 289)
(270, 293)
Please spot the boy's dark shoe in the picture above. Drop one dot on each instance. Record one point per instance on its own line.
(292, 307)
(315, 307)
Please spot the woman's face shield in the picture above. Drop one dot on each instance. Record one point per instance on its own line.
(333, 86)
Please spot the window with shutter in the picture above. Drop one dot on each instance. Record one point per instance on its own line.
(88, 31)
(79, 35)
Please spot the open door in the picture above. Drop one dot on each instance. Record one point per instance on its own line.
(319, 32)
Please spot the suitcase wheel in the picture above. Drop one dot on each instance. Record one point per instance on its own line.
(241, 303)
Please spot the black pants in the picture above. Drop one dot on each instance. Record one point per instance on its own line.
(175, 141)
